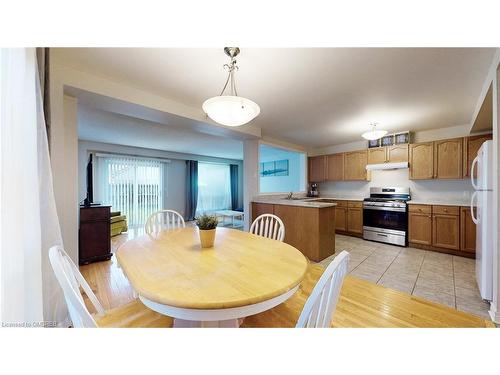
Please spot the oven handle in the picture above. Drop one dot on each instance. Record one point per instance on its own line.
(379, 208)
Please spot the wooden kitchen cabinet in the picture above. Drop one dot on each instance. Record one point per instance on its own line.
(377, 155)
(355, 165)
(341, 216)
(471, 146)
(467, 231)
(311, 230)
(397, 153)
(317, 168)
(355, 217)
(446, 227)
(261, 208)
(335, 167)
(448, 158)
(421, 159)
(420, 224)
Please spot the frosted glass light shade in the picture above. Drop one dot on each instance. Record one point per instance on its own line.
(374, 134)
(231, 110)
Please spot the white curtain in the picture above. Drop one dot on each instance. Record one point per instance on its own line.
(30, 295)
(214, 187)
(133, 186)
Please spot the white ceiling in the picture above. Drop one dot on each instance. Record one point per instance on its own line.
(102, 126)
(312, 97)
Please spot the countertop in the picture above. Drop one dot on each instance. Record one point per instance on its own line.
(342, 198)
(310, 202)
(440, 202)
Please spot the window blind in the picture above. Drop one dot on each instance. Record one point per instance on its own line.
(133, 186)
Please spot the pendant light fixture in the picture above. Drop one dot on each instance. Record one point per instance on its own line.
(374, 133)
(231, 110)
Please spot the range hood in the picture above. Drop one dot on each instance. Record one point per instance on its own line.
(375, 167)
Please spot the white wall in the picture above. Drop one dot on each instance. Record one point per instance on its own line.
(295, 181)
(176, 189)
(251, 176)
(441, 190)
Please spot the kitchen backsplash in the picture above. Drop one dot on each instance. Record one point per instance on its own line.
(442, 190)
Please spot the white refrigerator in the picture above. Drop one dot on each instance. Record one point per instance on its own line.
(482, 200)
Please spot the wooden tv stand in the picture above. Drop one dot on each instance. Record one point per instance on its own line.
(94, 235)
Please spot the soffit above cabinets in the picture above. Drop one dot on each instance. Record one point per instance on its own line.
(484, 119)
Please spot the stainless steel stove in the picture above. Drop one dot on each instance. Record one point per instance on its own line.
(385, 215)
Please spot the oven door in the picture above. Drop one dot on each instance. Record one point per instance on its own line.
(392, 218)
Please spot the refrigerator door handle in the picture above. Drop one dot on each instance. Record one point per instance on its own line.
(472, 169)
(474, 219)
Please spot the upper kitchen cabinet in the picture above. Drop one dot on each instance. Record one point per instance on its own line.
(421, 161)
(355, 165)
(470, 148)
(377, 155)
(397, 153)
(317, 168)
(388, 154)
(448, 158)
(335, 167)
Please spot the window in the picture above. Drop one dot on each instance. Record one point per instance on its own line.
(131, 185)
(214, 187)
(281, 170)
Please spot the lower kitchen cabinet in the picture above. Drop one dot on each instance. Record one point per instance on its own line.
(341, 219)
(309, 229)
(355, 217)
(420, 227)
(261, 208)
(446, 227)
(467, 231)
(341, 216)
(446, 231)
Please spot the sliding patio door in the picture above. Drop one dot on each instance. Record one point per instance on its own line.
(131, 185)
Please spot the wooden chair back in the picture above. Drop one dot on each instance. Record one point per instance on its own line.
(320, 306)
(71, 280)
(164, 220)
(270, 226)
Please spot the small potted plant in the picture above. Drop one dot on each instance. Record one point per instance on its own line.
(207, 225)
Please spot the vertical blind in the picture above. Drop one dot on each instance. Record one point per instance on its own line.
(214, 188)
(131, 185)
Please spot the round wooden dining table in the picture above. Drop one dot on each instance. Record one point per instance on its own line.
(241, 275)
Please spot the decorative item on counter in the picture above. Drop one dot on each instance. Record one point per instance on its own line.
(207, 225)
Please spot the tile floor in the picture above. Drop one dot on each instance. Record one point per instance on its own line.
(442, 278)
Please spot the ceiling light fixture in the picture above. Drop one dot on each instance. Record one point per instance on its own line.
(374, 133)
(231, 110)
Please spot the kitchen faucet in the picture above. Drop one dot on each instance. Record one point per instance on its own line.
(289, 196)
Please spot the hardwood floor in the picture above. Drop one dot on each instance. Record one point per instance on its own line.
(362, 304)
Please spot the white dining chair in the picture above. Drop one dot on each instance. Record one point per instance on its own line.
(133, 314)
(313, 305)
(164, 220)
(270, 226)
(320, 306)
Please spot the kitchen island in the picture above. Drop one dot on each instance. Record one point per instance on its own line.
(309, 223)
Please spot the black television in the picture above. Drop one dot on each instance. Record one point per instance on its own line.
(89, 199)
